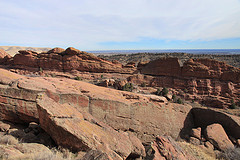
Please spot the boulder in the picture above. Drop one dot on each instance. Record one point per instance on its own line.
(167, 149)
(67, 126)
(204, 117)
(217, 136)
(196, 132)
(208, 145)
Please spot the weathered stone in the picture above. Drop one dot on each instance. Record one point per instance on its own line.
(166, 148)
(196, 132)
(204, 117)
(194, 141)
(208, 145)
(217, 136)
(68, 128)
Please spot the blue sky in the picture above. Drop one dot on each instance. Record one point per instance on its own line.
(121, 24)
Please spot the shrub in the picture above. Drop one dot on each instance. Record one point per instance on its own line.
(229, 154)
(40, 69)
(128, 87)
(179, 101)
(233, 105)
(78, 78)
(162, 92)
(174, 97)
(102, 76)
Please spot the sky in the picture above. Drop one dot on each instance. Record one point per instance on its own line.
(121, 24)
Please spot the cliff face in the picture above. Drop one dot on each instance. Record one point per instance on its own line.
(65, 60)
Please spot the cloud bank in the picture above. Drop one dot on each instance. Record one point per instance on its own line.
(94, 24)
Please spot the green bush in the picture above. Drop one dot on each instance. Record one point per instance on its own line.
(179, 101)
(233, 105)
(102, 76)
(128, 87)
(162, 92)
(174, 97)
(78, 78)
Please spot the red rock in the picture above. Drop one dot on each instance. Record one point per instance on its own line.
(68, 128)
(166, 148)
(4, 127)
(56, 50)
(217, 136)
(208, 145)
(204, 117)
(163, 67)
(96, 155)
(194, 141)
(4, 54)
(196, 132)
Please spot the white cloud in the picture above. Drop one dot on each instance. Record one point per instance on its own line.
(86, 23)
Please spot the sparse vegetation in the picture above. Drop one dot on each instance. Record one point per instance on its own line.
(230, 154)
(128, 87)
(233, 105)
(185, 90)
(78, 78)
(174, 97)
(162, 92)
(101, 76)
(179, 101)
(40, 69)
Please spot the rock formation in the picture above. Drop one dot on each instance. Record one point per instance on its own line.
(217, 136)
(66, 60)
(4, 57)
(120, 110)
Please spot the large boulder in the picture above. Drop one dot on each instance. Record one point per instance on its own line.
(4, 57)
(204, 117)
(217, 136)
(67, 126)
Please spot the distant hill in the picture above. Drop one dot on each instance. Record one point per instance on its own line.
(231, 59)
(12, 50)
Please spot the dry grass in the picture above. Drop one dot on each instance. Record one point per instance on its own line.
(230, 154)
(197, 152)
(8, 139)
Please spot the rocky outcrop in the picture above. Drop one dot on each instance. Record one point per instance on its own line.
(121, 110)
(66, 60)
(217, 136)
(166, 149)
(4, 57)
(163, 67)
(204, 117)
(209, 68)
(68, 127)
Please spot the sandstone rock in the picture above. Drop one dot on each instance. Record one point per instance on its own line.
(204, 117)
(208, 145)
(238, 142)
(194, 141)
(162, 67)
(217, 136)
(9, 152)
(4, 127)
(3, 54)
(166, 148)
(68, 128)
(96, 155)
(56, 50)
(196, 132)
